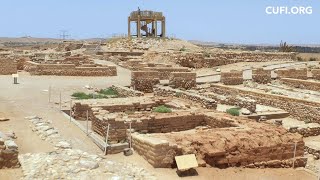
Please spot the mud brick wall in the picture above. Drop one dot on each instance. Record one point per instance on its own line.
(159, 153)
(152, 124)
(316, 74)
(8, 154)
(232, 78)
(261, 76)
(198, 60)
(268, 156)
(302, 84)
(144, 80)
(168, 91)
(164, 72)
(126, 92)
(69, 70)
(293, 73)
(185, 80)
(8, 66)
(300, 109)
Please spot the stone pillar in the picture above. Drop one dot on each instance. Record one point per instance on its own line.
(139, 27)
(164, 27)
(156, 29)
(152, 29)
(129, 27)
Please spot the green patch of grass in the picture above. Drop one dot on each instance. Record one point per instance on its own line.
(102, 94)
(82, 95)
(162, 109)
(233, 111)
(109, 92)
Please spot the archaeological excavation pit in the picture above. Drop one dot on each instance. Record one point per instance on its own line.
(217, 139)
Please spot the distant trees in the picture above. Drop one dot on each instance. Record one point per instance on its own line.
(284, 47)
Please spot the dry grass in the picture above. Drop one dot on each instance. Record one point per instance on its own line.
(308, 56)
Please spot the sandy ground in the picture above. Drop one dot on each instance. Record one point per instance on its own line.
(30, 97)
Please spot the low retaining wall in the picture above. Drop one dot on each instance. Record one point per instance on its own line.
(164, 72)
(120, 53)
(159, 153)
(293, 73)
(302, 84)
(316, 74)
(241, 102)
(144, 80)
(155, 123)
(198, 60)
(185, 80)
(69, 70)
(261, 76)
(8, 67)
(300, 109)
(306, 132)
(232, 77)
(168, 91)
(126, 92)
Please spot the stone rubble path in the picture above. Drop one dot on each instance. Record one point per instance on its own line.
(68, 163)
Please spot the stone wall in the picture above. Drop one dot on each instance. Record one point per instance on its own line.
(185, 80)
(302, 84)
(238, 101)
(198, 60)
(307, 131)
(168, 91)
(232, 78)
(316, 74)
(7, 66)
(164, 72)
(159, 153)
(80, 108)
(126, 92)
(300, 109)
(259, 145)
(293, 73)
(119, 53)
(8, 154)
(261, 76)
(69, 70)
(144, 80)
(155, 123)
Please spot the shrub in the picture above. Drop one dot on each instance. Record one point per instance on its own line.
(178, 94)
(162, 109)
(299, 58)
(109, 91)
(233, 111)
(207, 54)
(313, 59)
(183, 48)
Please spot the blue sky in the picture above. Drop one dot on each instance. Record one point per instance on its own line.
(228, 21)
